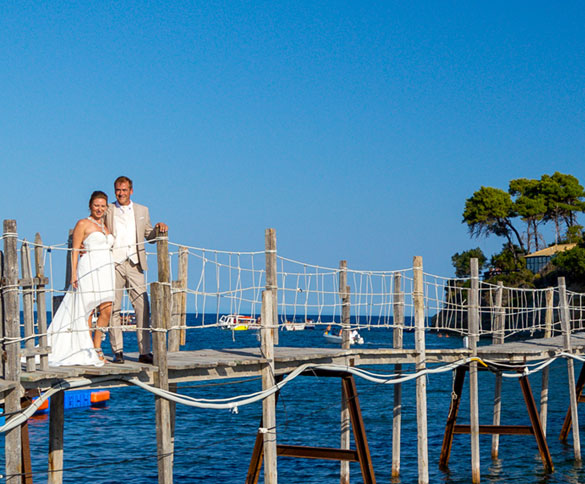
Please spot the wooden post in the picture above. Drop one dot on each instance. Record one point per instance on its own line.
(28, 306)
(473, 328)
(545, 372)
(160, 294)
(41, 302)
(12, 448)
(566, 324)
(421, 382)
(397, 342)
(271, 277)
(179, 306)
(498, 338)
(1, 307)
(344, 294)
(268, 381)
(56, 425)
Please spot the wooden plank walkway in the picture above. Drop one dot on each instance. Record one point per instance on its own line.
(210, 364)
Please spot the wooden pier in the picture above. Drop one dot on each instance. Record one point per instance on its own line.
(173, 366)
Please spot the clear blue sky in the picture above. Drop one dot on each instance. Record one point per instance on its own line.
(355, 129)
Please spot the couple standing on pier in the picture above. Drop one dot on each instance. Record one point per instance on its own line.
(108, 256)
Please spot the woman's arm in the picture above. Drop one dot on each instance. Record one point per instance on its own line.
(78, 237)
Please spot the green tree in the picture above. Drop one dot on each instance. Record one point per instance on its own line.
(490, 211)
(529, 204)
(461, 262)
(564, 199)
(512, 269)
(571, 263)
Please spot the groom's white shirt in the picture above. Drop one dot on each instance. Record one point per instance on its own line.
(125, 233)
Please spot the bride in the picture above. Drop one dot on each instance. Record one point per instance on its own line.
(92, 278)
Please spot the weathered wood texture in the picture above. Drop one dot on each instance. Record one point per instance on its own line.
(345, 438)
(566, 324)
(11, 348)
(56, 427)
(41, 302)
(271, 276)
(473, 318)
(397, 342)
(421, 383)
(498, 338)
(268, 381)
(28, 305)
(160, 318)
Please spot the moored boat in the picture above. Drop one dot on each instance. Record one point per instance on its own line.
(237, 322)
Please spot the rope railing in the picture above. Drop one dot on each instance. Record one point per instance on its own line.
(221, 283)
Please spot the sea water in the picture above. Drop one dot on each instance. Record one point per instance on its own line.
(117, 444)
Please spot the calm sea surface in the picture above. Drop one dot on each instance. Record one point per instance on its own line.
(117, 444)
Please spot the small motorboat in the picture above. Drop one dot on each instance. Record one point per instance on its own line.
(354, 338)
(237, 322)
(293, 326)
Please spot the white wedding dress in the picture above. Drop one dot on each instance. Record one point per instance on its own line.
(68, 334)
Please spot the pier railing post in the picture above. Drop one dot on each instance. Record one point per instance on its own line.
(397, 342)
(28, 306)
(344, 294)
(421, 382)
(177, 336)
(159, 294)
(568, 348)
(473, 324)
(11, 348)
(498, 338)
(271, 277)
(41, 302)
(548, 318)
(268, 381)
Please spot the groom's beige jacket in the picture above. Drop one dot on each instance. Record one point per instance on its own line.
(144, 229)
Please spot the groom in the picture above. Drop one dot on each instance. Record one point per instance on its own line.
(130, 224)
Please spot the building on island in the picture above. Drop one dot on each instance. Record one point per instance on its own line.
(538, 260)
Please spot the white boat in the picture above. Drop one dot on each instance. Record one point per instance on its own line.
(354, 339)
(292, 326)
(237, 322)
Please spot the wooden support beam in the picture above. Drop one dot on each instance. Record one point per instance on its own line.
(323, 453)
(271, 277)
(41, 302)
(456, 394)
(566, 324)
(268, 381)
(56, 427)
(160, 318)
(548, 318)
(498, 338)
(473, 323)
(11, 346)
(28, 305)
(345, 437)
(580, 385)
(397, 343)
(421, 383)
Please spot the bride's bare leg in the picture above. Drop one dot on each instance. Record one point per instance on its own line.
(102, 322)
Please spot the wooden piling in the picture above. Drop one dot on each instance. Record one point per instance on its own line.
(268, 381)
(56, 427)
(473, 321)
(41, 303)
(11, 346)
(28, 306)
(548, 318)
(421, 382)
(397, 342)
(271, 277)
(160, 294)
(566, 324)
(344, 294)
(498, 338)
(1, 306)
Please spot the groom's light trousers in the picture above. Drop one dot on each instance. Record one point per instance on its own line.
(130, 277)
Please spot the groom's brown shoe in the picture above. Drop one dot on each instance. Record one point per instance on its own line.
(118, 357)
(147, 358)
